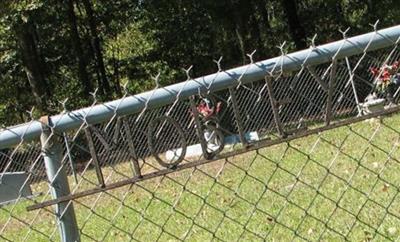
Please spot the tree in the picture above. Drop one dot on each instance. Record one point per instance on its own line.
(51, 50)
(78, 51)
(294, 24)
(104, 85)
(33, 64)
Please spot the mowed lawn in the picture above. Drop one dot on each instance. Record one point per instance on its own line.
(343, 183)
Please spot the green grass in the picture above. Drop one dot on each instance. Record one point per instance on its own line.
(301, 190)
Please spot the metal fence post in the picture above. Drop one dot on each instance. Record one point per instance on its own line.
(59, 187)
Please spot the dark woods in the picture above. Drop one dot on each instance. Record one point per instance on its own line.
(53, 50)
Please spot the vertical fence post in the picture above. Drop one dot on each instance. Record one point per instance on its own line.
(52, 155)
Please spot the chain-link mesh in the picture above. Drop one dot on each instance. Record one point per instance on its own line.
(294, 156)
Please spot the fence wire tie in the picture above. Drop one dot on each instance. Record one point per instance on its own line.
(30, 112)
(94, 94)
(312, 42)
(282, 48)
(251, 56)
(344, 33)
(188, 78)
(156, 80)
(64, 105)
(375, 26)
(146, 104)
(218, 62)
(125, 88)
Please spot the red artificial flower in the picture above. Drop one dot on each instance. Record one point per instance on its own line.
(396, 65)
(374, 71)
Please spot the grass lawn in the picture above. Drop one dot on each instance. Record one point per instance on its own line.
(342, 183)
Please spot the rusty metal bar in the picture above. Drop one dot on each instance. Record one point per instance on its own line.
(317, 78)
(199, 130)
(238, 118)
(331, 90)
(95, 159)
(132, 149)
(274, 105)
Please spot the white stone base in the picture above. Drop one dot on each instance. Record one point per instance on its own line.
(195, 150)
(373, 105)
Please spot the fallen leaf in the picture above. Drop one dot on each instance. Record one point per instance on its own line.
(385, 187)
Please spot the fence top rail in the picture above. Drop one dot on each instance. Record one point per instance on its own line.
(166, 95)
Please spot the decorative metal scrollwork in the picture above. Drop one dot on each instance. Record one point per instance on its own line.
(151, 139)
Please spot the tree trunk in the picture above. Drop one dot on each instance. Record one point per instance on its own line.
(104, 85)
(340, 17)
(263, 23)
(80, 55)
(240, 38)
(372, 11)
(239, 27)
(32, 63)
(255, 31)
(116, 74)
(295, 27)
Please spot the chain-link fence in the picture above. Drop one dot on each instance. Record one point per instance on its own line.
(291, 148)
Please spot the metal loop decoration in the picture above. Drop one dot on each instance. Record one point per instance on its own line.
(151, 140)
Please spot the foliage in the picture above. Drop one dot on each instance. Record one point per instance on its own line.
(139, 39)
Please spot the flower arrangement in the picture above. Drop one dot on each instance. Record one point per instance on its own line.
(387, 81)
(386, 76)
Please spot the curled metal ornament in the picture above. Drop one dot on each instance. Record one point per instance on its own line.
(151, 141)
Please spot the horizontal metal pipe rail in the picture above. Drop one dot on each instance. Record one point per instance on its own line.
(249, 73)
